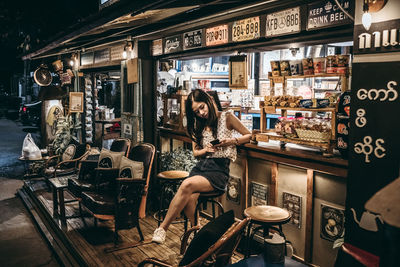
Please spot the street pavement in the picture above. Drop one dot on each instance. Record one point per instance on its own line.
(21, 244)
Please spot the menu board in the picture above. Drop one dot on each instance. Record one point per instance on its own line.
(172, 44)
(87, 58)
(116, 52)
(374, 145)
(328, 14)
(101, 55)
(217, 35)
(283, 22)
(246, 29)
(156, 47)
(192, 39)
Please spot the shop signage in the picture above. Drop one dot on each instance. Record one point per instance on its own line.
(192, 39)
(283, 22)
(86, 58)
(172, 44)
(381, 37)
(101, 55)
(328, 14)
(374, 145)
(156, 48)
(116, 52)
(217, 35)
(246, 29)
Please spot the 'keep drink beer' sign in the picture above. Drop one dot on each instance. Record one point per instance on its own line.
(327, 14)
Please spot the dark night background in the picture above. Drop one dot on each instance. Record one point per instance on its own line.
(27, 25)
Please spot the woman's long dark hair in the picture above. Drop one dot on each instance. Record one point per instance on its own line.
(195, 124)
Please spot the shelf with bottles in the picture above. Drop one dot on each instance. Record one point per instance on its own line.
(325, 140)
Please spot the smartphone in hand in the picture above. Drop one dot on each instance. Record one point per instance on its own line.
(215, 142)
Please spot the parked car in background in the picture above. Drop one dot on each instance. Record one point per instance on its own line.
(30, 114)
(10, 106)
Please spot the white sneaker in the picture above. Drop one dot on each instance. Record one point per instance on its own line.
(159, 235)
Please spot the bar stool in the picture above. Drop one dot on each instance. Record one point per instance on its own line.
(266, 217)
(170, 181)
(206, 197)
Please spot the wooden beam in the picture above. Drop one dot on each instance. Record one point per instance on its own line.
(309, 216)
(273, 189)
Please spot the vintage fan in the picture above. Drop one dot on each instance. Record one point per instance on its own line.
(42, 76)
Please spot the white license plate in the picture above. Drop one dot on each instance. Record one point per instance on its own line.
(283, 22)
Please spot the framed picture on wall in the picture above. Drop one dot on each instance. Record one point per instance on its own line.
(292, 203)
(238, 72)
(75, 102)
(332, 222)
(233, 192)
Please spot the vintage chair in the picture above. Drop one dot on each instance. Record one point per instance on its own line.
(66, 163)
(213, 245)
(85, 180)
(122, 199)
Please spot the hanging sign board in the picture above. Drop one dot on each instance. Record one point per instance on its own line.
(217, 35)
(87, 58)
(238, 72)
(116, 52)
(380, 38)
(132, 70)
(156, 47)
(246, 29)
(192, 39)
(328, 14)
(283, 22)
(172, 44)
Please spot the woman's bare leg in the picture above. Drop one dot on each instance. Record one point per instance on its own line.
(194, 184)
(190, 208)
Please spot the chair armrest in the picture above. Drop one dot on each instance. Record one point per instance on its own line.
(50, 159)
(185, 238)
(155, 262)
(366, 258)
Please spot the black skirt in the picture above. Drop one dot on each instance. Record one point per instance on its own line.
(215, 170)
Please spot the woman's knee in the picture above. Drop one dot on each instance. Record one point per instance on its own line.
(186, 187)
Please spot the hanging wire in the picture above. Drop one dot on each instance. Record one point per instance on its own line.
(344, 11)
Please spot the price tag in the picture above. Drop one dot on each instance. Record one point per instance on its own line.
(246, 29)
(217, 35)
(283, 22)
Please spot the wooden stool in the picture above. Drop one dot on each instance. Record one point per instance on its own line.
(266, 217)
(208, 197)
(170, 181)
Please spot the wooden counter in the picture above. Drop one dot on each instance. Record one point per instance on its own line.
(293, 155)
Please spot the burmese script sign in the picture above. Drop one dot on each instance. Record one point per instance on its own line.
(327, 14)
(246, 29)
(217, 35)
(172, 44)
(192, 39)
(283, 22)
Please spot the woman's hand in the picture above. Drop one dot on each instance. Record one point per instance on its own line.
(226, 142)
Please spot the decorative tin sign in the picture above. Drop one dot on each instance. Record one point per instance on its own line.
(87, 58)
(259, 194)
(172, 44)
(156, 47)
(327, 14)
(192, 39)
(283, 22)
(292, 203)
(246, 29)
(332, 222)
(101, 55)
(217, 35)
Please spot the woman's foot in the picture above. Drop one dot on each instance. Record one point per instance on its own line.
(159, 235)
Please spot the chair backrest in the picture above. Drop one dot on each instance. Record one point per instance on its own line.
(121, 145)
(144, 152)
(221, 251)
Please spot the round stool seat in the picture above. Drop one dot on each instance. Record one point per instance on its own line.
(173, 175)
(267, 214)
(211, 194)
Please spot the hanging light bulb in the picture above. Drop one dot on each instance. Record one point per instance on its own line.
(366, 17)
(124, 55)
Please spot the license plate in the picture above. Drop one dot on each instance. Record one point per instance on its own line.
(217, 35)
(283, 22)
(246, 29)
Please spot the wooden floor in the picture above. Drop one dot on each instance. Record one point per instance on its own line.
(90, 241)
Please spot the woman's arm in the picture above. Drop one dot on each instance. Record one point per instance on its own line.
(233, 123)
(199, 152)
